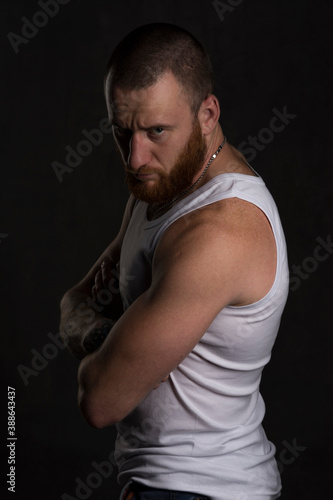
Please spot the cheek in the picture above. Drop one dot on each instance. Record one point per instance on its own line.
(169, 152)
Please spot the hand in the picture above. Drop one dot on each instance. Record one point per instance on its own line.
(105, 290)
(103, 279)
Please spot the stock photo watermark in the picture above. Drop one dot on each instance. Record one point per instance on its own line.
(298, 274)
(41, 358)
(226, 7)
(84, 488)
(311, 263)
(289, 454)
(11, 439)
(93, 138)
(101, 471)
(266, 135)
(84, 148)
(30, 27)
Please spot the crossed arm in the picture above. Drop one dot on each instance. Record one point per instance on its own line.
(155, 333)
(194, 275)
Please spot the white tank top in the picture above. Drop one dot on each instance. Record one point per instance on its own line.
(201, 430)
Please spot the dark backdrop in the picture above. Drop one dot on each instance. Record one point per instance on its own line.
(270, 57)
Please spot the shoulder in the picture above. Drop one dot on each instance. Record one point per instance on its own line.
(231, 221)
(230, 241)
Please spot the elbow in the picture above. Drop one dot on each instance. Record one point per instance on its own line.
(89, 413)
(95, 414)
(98, 404)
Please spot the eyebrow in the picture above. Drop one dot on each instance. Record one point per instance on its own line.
(114, 123)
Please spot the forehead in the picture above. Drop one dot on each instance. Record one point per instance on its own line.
(166, 98)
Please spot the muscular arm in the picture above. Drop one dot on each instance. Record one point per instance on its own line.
(90, 309)
(199, 267)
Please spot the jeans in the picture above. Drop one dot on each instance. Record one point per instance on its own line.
(135, 491)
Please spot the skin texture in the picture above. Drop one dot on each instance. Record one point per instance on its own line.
(223, 254)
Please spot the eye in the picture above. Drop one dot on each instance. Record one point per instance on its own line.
(156, 131)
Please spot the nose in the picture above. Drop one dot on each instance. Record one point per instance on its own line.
(139, 153)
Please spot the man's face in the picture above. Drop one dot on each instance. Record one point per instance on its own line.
(160, 142)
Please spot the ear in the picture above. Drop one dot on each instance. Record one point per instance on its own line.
(209, 114)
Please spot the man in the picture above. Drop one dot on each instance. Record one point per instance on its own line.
(201, 266)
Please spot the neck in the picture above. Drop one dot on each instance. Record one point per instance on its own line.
(213, 143)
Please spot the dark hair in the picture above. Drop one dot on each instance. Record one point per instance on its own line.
(149, 51)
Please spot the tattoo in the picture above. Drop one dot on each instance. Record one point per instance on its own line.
(96, 337)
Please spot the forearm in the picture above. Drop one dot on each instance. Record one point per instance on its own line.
(89, 310)
(83, 326)
(133, 360)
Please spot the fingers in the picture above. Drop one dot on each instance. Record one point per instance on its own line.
(94, 293)
(102, 278)
(106, 269)
(98, 284)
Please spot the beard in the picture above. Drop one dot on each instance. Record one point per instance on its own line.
(168, 186)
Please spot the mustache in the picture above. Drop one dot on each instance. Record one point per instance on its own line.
(142, 171)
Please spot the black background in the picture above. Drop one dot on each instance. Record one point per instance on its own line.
(267, 55)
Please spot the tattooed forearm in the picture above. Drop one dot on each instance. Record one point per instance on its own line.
(81, 326)
(89, 311)
(96, 337)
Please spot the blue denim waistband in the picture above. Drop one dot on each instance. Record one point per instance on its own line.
(136, 491)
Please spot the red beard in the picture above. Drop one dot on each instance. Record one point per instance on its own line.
(187, 165)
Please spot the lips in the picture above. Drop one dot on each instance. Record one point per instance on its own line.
(142, 177)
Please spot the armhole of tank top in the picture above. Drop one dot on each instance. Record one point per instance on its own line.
(277, 276)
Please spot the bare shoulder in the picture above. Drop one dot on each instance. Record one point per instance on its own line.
(231, 221)
(231, 241)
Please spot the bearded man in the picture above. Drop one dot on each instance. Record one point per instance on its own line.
(190, 292)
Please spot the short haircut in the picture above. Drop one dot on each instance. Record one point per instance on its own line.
(149, 51)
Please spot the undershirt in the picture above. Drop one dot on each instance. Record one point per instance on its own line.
(201, 431)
